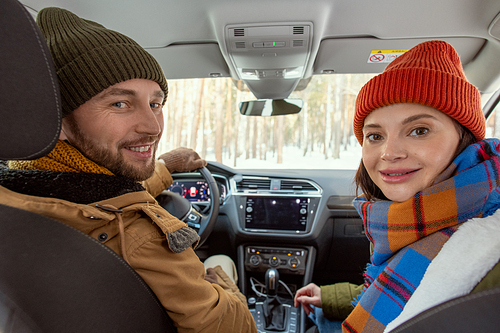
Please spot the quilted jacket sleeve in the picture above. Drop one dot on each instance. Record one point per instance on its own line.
(336, 299)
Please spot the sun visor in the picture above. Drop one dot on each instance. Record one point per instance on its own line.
(371, 55)
(186, 61)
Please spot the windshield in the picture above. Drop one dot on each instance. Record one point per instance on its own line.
(203, 114)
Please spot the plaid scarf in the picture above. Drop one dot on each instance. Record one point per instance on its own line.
(408, 235)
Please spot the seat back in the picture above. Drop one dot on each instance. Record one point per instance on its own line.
(477, 312)
(54, 278)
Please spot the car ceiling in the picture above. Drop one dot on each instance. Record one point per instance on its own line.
(190, 38)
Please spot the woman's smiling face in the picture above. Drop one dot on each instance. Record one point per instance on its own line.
(406, 146)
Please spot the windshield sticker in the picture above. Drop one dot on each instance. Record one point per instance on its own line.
(384, 56)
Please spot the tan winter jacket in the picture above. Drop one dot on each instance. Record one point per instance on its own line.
(159, 247)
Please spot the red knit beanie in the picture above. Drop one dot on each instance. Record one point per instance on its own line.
(430, 74)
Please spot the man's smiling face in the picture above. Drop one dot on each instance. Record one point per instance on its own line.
(120, 128)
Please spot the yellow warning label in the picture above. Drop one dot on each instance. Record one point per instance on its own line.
(389, 51)
(384, 56)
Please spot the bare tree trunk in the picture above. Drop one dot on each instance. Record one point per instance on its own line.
(228, 133)
(300, 129)
(349, 108)
(247, 138)
(203, 131)
(255, 134)
(196, 118)
(172, 107)
(337, 117)
(312, 141)
(179, 120)
(324, 136)
(237, 124)
(187, 112)
(280, 137)
(275, 135)
(328, 120)
(305, 116)
(264, 143)
(259, 138)
(218, 119)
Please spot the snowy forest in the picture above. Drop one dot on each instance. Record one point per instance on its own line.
(203, 114)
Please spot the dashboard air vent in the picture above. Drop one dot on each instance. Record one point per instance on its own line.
(298, 30)
(239, 32)
(254, 184)
(297, 186)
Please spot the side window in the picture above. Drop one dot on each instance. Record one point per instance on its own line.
(493, 123)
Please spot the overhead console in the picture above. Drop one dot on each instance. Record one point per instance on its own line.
(270, 58)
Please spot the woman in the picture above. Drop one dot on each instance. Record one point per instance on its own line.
(430, 187)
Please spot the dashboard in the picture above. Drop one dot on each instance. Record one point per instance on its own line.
(257, 204)
(301, 222)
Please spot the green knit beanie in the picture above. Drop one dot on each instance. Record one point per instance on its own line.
(90, 58)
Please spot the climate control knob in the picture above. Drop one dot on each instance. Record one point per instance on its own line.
(274, 261)
(255, 260)
(294, 262)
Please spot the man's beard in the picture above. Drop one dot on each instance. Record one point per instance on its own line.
(114, 162)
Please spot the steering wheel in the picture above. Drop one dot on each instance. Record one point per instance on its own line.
(203, 221)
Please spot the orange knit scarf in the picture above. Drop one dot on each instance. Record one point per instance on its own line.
(63, 158)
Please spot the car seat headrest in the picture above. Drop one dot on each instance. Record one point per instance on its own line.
(30, 104)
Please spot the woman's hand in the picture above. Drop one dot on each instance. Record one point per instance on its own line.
(307, 296)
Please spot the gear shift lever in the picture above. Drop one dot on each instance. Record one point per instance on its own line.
(272, 282)
(273, 309)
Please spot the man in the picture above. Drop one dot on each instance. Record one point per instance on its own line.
(112, 96)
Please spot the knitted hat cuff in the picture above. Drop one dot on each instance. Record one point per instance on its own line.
(445, 92)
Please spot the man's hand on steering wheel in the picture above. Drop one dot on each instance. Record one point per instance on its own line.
(203, 222)
(187, 160)
(182, 160)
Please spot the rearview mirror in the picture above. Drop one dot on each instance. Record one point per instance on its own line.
(271, 107)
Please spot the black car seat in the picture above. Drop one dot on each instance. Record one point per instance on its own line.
(476, 312)
(53, 278)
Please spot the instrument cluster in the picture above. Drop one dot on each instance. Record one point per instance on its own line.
(197, 191)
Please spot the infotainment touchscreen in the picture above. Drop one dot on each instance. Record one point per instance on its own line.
(283, 213)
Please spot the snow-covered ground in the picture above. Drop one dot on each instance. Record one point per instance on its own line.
(293, 159)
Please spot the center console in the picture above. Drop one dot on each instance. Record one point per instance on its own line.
(294, 265)
(286, 261)
(277, 210)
